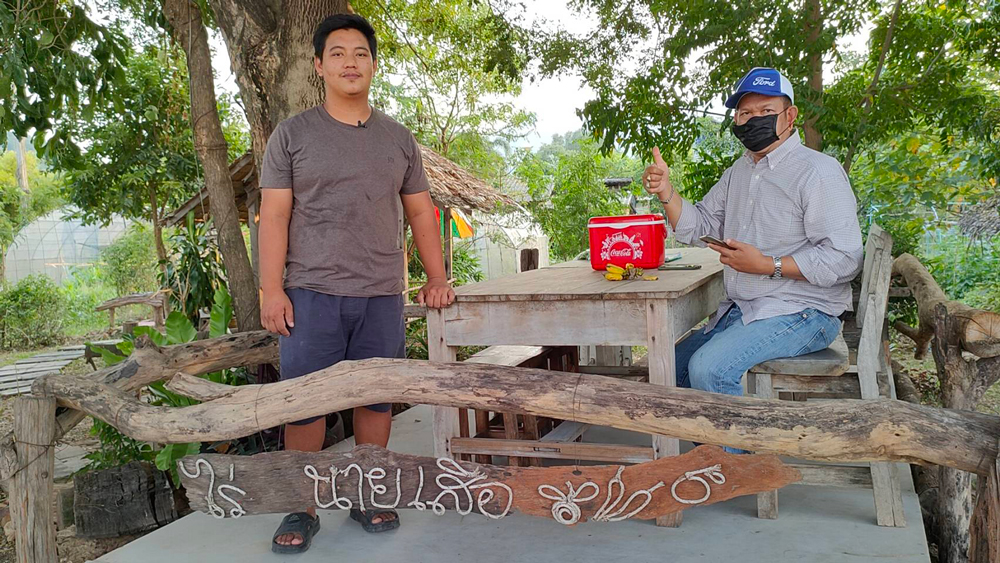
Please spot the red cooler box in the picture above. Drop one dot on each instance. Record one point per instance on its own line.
(636, 239)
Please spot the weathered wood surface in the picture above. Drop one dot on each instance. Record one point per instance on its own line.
(140, 494)
(152, 298)
(849, 430)
(830, 362)
(31, 496)
(977, 331)
(369, 476)
(150, 363)
(577, 280)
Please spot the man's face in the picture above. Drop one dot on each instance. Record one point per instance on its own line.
(347, 66)
(754, 105)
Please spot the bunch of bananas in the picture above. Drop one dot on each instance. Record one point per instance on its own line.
(629, 272)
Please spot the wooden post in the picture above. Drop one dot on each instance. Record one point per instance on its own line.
(446, 422)
(33, 487)
(253, 222)
(660, 343)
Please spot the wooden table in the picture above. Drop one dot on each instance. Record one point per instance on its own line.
(572, 305)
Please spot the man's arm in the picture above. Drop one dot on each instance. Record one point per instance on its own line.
(275, 214)
(688, 222)
(419, 209)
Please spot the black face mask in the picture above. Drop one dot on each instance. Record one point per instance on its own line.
(758, 132)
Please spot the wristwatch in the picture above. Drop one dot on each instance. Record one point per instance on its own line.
(777, 268)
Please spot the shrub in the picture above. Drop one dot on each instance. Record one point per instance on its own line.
(131, 264)
(31, 313)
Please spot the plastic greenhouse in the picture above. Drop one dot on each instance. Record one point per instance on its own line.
(53, 244)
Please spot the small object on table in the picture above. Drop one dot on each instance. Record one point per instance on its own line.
(680, 267)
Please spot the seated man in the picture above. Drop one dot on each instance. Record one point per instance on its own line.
(790, 217)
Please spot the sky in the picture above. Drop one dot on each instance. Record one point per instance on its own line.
(554, 101)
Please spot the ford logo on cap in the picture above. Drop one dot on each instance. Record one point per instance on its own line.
(761, 80)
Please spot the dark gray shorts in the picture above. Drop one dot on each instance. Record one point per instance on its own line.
(332, 328)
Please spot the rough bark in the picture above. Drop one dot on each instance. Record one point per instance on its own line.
(848, 430)
(140, 493)
(227, 486)
(150, 363)
(925, 479)
(271, 53)
(985, 533)
(975, 330)
(189, 31)
(964, 381)
(813, 29)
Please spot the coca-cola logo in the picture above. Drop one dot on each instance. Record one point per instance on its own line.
(619, 245)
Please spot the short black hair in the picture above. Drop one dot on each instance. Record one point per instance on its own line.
(344, 21)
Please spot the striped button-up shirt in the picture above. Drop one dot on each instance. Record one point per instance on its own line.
(794, 202)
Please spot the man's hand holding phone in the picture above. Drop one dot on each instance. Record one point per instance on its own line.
(740, 256)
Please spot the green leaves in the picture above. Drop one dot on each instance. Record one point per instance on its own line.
(222, 313)
(179, 328)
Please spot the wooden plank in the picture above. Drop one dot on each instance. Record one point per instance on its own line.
(508, 355)
(33, 487)
(616, 371)
(567, 431)
(234, 486)
(610, 453)
(875, 237)
(767, 501)
(576, 280)
(545, 323)
(445, 425)
(22, 368)
(885, 482)
(28, 374)
(858, 476)
(840, 385)
(660, 345)
(414, 311)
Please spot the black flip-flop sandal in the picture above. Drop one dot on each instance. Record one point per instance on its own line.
(365, 518)
(300, 523)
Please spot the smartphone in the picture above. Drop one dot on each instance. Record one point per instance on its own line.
(712, 240)
(680, 267)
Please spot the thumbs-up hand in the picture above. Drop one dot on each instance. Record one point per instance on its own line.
(656, 177)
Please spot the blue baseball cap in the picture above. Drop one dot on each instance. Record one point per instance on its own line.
(761, 80)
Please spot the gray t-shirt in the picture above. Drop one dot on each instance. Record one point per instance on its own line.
(344, 237)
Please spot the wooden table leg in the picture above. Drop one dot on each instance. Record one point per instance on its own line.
(660, 343)
(446, 424)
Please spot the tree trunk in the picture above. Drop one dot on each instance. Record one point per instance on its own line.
(985, 533)
(975, 330)
(370, 474)
(813, 29)
(848, 430)
(189, 31)
(964, 381)
(271, 53)
(140, 493)
(22, 169)
(154, 216)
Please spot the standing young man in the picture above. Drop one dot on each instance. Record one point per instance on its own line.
(789, 218)
(335, 179)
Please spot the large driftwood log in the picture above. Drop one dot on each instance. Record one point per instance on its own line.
(150, 363)
(370, 477)
(977, 331)
(140, 494)
(871, 430)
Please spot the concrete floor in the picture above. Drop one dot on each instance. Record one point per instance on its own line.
(816, 525)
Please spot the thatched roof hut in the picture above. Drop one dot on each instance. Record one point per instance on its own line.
(451, 186)
(983, 220)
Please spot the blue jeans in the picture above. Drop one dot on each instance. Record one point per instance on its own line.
(716, 361)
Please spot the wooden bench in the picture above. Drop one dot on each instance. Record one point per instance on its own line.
(155, 299)
(830, 374)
